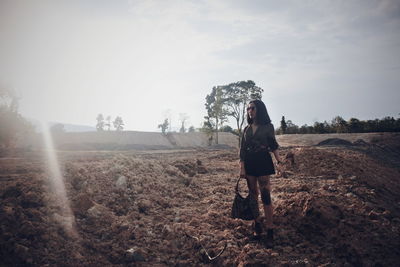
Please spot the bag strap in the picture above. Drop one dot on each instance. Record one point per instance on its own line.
(237, 185)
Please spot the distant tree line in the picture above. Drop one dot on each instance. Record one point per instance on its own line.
(339, 125)
(12, 124)
(105, 124)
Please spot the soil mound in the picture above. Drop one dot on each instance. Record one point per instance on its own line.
(335, 206)
(360, 142)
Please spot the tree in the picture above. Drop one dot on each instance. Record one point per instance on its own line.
(168, 115)
(191, 129)
(164, 126)
(228, 129)
(208, 129)
(118, 123)
(283, 125)
(291, 127)
(216, 112)
(183, 117)
(305, 129)
(108, 124)
(236, 97)
(397, 125)
(387, 124)
(100, 122)
(319, 127)
(12, 123)
(355, 126)
(339, 124)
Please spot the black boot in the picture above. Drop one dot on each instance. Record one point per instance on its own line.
(258, 228)
(256, 236)
(270, 234)
(269, 238)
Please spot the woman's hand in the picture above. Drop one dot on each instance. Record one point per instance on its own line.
(279, 167)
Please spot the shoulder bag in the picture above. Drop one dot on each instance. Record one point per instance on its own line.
(244, 208)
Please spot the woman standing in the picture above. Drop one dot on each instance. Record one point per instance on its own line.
(256, 165)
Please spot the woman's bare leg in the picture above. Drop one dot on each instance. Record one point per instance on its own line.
(265, 190)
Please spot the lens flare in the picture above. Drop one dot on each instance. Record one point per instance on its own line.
(65, 217)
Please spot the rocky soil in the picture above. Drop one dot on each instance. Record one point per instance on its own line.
(336, 205)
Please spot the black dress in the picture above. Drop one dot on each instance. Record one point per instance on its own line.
(255, 150)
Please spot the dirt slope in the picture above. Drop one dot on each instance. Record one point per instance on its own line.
(335, 206)
(128, 140)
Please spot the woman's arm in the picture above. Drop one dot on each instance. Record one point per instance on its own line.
(241, 154)
(242, 173)
(276, 155)
(278, 162)
(273, 144)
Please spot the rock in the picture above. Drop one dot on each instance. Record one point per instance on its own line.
(83, 203)
(100, 213)
(121, 183)
(144, 206)
(331, 188)
(76, 182)
(95, 212)
(166, 230)
(373, 215)
(21, 251)
(135, 254)
(177, 217)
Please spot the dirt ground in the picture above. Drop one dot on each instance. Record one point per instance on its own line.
(336, 205)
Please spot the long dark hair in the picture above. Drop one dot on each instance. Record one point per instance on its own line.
(262, 116)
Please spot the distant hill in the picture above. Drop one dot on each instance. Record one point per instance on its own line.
(69, 128)
(74, 128)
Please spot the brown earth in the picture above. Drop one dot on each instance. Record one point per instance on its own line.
(337, 205)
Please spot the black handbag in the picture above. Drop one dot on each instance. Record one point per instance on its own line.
(244, 208)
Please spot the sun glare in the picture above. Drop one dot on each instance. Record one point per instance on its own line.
(66, 218)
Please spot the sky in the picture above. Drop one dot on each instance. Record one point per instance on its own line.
(148, 60)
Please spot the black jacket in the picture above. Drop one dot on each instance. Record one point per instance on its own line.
(262, 140)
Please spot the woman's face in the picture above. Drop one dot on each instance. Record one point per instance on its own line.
(251, 110)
